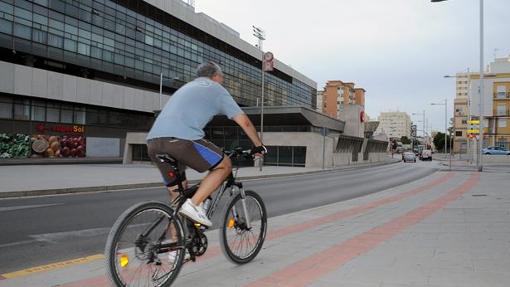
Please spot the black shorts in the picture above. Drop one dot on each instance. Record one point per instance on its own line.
(201, 155)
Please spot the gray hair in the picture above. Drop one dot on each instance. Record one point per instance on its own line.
(208, 69)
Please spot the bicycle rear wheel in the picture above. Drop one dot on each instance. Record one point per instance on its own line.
(145, 246)
(239, 242)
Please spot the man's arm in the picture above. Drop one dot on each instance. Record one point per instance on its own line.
(244, 122)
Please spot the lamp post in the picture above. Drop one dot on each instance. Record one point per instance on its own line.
(423, 122)
(261, 35)
(480, 159)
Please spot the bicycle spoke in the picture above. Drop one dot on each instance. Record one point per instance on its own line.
(140, 260)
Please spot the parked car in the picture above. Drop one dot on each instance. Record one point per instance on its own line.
(408, 157)
(495, 150)
(426, 154)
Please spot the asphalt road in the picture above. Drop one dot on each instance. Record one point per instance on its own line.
(42, 230)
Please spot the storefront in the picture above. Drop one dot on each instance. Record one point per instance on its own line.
(35, 128)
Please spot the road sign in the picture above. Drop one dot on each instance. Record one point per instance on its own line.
(474, 122)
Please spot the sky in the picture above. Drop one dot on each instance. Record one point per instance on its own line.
(397, 50)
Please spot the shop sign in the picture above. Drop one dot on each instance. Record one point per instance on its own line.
(71, 129)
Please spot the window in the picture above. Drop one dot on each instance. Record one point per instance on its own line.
(66, 114)
(38, 111)
(501, 110)
(458, 133)
(84, 49)
(52, 112)
(55, 41)
(39, 36)
(502, 123)
(5, 108)
(70, 45)
(22, 31)
(22, 110)
(501, 92)
(5, 26)
(79, 115)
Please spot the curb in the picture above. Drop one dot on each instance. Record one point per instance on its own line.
(119, 187)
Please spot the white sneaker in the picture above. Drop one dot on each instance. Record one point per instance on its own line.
(172, 255)
(195, 213)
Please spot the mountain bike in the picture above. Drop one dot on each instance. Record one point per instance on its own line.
(150, 241)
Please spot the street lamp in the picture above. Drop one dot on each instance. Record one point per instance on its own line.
(261, 35)
(421, 114)
(480, 159)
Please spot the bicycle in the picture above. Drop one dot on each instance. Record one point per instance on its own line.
(148, 242)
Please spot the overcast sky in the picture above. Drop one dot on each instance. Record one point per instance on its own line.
(397, 50)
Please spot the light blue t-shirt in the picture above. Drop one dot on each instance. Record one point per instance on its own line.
(191, 107)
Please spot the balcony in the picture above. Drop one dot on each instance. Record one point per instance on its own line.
(502, 96)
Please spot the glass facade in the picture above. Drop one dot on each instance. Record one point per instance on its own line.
(16, 108)
(114, 38)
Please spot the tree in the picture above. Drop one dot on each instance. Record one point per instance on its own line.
(405, 140)
(439, 141)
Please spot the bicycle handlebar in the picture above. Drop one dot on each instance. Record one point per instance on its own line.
(238, 152)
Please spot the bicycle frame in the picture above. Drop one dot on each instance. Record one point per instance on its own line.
(229, 184)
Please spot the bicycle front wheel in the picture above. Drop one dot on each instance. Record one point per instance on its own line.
(244, 228)
(145, 246)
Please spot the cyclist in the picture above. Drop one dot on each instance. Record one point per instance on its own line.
(178, 132)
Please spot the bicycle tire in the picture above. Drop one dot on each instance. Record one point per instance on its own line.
(117, 230)
(225, 247)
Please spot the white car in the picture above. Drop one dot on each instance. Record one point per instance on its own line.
(426, 154)
(408, 157)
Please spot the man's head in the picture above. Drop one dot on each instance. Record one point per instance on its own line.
(210, 70)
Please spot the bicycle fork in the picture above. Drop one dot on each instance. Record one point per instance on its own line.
(243, 204)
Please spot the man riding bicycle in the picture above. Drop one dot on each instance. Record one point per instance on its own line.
(178, 132)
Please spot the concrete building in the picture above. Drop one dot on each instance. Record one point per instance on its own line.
(294, 136)
(394, 124)
(92, 69)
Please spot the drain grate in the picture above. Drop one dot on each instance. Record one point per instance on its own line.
(478, 195)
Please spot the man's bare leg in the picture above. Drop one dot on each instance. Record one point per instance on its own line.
(212, 181)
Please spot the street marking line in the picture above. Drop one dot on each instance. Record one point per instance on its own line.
(51, 267)
(19, 207)
(305, 271)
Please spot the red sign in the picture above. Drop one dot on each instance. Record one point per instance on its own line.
(74, 129)
(268, 64)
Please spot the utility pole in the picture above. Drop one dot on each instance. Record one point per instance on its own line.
(261, 35)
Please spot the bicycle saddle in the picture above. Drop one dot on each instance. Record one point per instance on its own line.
(163, 157)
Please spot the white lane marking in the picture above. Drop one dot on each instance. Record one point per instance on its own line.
(10, 208)
(67, 235)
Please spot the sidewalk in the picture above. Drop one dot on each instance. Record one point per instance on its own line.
(32, 180)
(449, 229)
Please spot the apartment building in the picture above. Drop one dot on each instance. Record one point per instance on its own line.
(394, 124)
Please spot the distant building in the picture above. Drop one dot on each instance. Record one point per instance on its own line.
(343, 101)
(461, 111)
(319, 107)
(496, 102)
(394, 124)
